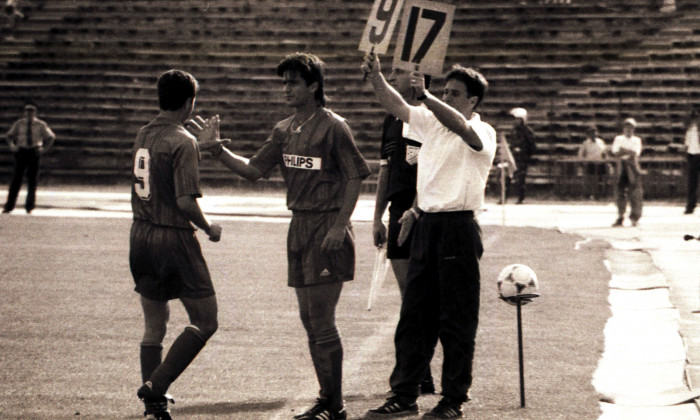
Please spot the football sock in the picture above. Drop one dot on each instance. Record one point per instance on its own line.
(151, 358)
(315, 360)
(183, 351)
(330, 372)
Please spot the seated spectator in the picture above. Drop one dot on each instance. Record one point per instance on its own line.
(14, 15)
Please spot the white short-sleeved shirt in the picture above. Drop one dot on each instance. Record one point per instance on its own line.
(692, 140)
(451, 174)
(629, 143)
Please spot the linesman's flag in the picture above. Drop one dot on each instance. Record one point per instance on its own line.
(505, 156)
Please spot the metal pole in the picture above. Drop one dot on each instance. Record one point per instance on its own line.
(503, 194)
(520, 354)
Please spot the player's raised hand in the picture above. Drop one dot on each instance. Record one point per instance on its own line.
(370, 65)
(418, 83)
(214, 232)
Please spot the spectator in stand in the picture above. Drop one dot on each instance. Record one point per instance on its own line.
(627, 148)
(28, 138)
(593, 148)
(13, 16)
(522, 144)
(692, 149)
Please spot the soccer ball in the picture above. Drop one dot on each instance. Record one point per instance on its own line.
(517, 280)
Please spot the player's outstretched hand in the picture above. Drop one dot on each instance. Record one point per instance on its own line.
(214, 232)
(207, 133)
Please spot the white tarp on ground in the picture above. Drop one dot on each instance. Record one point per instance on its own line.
(620, 412)
(641, 373)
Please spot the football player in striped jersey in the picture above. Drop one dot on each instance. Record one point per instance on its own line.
(323, 171)
(165, 257)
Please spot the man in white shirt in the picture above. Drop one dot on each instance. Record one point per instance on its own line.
(628, 147)
(28, 138)
(692, 148)
(593, 149)
(443, 282)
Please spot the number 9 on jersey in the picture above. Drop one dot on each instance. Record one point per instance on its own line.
(142, 172)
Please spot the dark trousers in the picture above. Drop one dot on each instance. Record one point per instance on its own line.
(441, 300)
(520, 178)
(693, 175)
(629, 189)
(26, 160)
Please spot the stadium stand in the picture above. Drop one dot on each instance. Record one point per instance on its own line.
(91, 66)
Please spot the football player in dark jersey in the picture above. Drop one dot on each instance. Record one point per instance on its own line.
(165, 257)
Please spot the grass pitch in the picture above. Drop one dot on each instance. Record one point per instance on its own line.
(71, 327)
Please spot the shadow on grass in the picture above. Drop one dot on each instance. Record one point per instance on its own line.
(231, 407)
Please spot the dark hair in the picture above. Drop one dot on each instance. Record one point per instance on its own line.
(308, 67)
(474, 81)
(175, 87)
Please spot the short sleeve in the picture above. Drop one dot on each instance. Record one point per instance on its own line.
(46, 132)
(267, 157)
(14, 130)
(417, 123)
(186, 168)
(637, 146)
(385, 146)
(350, 161)
(615, 148)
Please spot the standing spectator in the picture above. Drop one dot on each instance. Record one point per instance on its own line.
(442, 291)
(396, 184)
(628, 147)
(593, 149)
(523, 145)
(506, 165)
(28, 138)
(323, 172)
(164, 255)
(692, 149)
